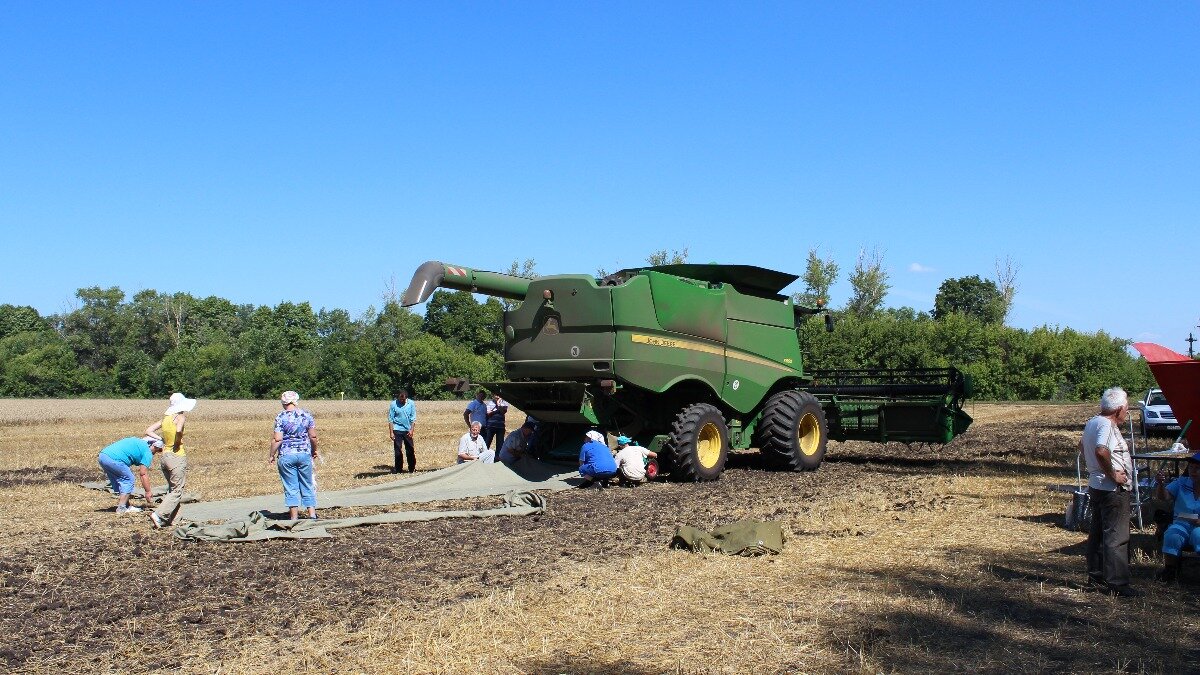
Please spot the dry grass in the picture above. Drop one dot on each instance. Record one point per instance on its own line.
(900, 560)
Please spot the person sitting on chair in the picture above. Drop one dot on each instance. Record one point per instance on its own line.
(1185, 493)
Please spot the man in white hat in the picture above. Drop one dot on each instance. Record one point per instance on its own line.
(174, 457)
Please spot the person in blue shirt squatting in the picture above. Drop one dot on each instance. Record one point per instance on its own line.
(1185, 493)
(402, 414)
(117, 461)
(596, 463)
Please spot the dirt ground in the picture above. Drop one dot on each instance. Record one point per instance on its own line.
(900, 559)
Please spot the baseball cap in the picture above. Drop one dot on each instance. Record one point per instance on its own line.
(595, 436)
(624, 440)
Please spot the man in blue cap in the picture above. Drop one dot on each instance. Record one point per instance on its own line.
(631, 461)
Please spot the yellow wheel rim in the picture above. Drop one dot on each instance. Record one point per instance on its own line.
(808, 434)
(708, 445)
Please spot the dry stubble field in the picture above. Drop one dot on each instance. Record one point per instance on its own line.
(900, 560)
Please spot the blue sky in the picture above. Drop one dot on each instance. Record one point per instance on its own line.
(302, 151)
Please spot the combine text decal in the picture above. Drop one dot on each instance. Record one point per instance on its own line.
(690, 345)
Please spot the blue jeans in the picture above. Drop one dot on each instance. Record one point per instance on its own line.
(119, 475)
(1179, 534)
(295, 470)
(589, 471)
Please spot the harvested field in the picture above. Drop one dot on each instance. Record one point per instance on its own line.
(901, 559)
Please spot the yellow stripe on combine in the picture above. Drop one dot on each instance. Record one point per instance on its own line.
(691, 345)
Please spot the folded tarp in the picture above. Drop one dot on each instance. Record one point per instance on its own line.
(745, 537)
(472, 479)
(157, 491)
(259, 527)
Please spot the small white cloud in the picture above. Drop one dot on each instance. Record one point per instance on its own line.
(919, 268)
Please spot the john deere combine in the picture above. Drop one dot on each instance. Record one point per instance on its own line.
(692, 361)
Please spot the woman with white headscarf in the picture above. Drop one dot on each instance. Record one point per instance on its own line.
(596, 463)
(174, 456)
(293, 450)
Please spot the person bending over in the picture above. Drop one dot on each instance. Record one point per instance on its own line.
(120, 459)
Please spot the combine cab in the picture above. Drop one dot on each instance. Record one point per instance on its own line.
(692, 361)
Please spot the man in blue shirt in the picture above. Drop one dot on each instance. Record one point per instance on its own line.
(596, 463)
(402, 414)
(476, 410)
(118, 458)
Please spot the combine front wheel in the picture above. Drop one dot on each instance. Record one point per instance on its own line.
(792, 433)
(699, 443)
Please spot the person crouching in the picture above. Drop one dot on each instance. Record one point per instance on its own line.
(118, 460)
(596, 463)
(471, 447)
(631, 461)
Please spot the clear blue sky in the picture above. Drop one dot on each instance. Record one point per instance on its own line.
(301, 151)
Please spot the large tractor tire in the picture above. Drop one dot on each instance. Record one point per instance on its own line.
(792, 434)
(699, 443)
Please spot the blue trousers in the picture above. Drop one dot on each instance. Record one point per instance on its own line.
(119, 475)
(295, 470)
(1178, 534)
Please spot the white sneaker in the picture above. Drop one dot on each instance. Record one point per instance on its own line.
(158, 523)
(129, 509)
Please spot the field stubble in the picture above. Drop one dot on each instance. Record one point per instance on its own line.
(900, 559)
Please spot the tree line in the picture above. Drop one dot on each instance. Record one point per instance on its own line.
(154, 343)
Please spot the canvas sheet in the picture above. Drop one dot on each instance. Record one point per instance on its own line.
(461, 481)
(745, 537)
(259, 527)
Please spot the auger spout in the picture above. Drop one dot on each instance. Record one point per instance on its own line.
(433, 275)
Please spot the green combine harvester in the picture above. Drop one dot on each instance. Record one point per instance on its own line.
(692, 361)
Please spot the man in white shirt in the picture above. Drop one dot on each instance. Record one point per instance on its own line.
(631, 461)
(471, 447)
(1110, 476)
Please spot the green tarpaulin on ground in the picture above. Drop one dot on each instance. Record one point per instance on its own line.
(250, 518)
(745, 537)
(472, 479)
(259, 527)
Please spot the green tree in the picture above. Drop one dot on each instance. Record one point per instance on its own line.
(456, 318)
(819, 275)
(869, 284)
(665, 257)
(972, 296)
(40, 363)
(22, 319)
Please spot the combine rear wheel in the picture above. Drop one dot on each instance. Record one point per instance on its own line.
(699, 443)
(792, 433)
